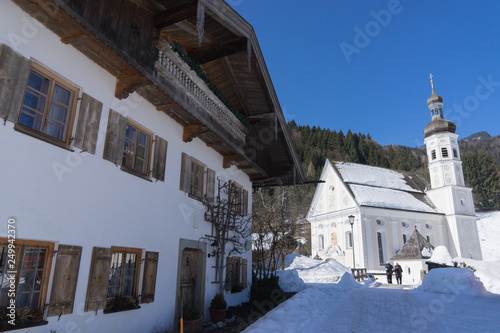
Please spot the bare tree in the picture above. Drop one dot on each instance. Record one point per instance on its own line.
(231, 225)
(278, 225)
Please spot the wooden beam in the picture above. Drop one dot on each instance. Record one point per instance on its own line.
(165, 107)
(206, 54)
(126, 85)
(228, 161)
(213, 144)
(192, 131)
(73, 37)
(175, 14)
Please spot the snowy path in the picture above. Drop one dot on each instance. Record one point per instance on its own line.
(333, 308)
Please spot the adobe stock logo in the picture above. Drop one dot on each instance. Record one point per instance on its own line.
(372, 29)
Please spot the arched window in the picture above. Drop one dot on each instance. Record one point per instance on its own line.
(321, 242)
(444, 152)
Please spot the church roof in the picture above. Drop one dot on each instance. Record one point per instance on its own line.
(416, 247)
(386, 188)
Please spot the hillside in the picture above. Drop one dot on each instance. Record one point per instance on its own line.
(480, 156)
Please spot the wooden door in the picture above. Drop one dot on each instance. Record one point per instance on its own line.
(188, 276)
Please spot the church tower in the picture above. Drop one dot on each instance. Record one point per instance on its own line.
(448, 191)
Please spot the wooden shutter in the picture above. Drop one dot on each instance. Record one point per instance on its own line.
(185, 183)
(14, 73)
(245, 203)
(62, 295)
(229, 273)
(244, 273)
(210, 184)
(115, 137)
(160, 158)
(97, 289)
(149, 279)
(88, 124)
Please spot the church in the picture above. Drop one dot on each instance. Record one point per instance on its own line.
(362, 215)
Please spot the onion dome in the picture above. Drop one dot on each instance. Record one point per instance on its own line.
(438, 123)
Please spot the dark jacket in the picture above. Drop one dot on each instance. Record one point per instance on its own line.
(388, 268)
(398, 270)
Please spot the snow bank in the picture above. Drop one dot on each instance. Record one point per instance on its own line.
(458, 281)
(290, 281)
(347, 281)
(487, 271)
(488, 226)
(441, 256)
(300, 270)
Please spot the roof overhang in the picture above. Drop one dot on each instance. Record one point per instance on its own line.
(128, 37)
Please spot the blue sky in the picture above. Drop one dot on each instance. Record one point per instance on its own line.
(365, 65)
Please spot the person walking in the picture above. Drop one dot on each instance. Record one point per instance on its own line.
(399, 273)
(388, 271)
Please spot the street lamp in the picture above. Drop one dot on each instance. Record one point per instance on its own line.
(351, 221)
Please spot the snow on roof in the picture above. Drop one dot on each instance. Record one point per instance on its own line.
(441, 256)
(379, 177)
(389, 198)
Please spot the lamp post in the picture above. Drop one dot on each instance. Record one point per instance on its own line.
(351, 221)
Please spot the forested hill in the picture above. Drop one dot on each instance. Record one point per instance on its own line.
(481, 157)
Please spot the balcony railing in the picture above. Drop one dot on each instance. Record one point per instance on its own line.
(173, 67)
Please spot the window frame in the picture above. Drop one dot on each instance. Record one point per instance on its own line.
(236, 198)
(137, 274)
(54, 79)
(49, 251)
(196, 165)
(132, 170)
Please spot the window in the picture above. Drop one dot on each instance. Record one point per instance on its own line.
(444, 152)
(380, 223)
(196, 180)
(433, 154)
(48, 107)
(137, 149)
(321, 242)
(236, 274)
(380, 249)
(348, 239)
(239, 199)
(131, 146)
(113, 283)
(405, 224)
(455, 153)
(404, 239)
(32, 262)
(124, 275)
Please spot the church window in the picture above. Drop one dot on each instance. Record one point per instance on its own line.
(380, 249)
(405, 224)
(455, 153)
(444, 152)
(428, 226)
(333, 225)
(430, 239)
(433, 154)
(380, 223)
(321, 242)
(348, 238)
(404, 239)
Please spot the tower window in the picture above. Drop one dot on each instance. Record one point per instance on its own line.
(444, 152)
(433, 154)
(455, 153)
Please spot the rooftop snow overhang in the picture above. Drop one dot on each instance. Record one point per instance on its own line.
(133, 41)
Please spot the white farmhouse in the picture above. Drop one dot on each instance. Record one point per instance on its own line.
(387, 205)
(118, 117)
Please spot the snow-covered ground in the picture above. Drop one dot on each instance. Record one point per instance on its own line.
(449, 299)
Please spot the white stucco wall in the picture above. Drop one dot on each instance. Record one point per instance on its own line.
(92, 203)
